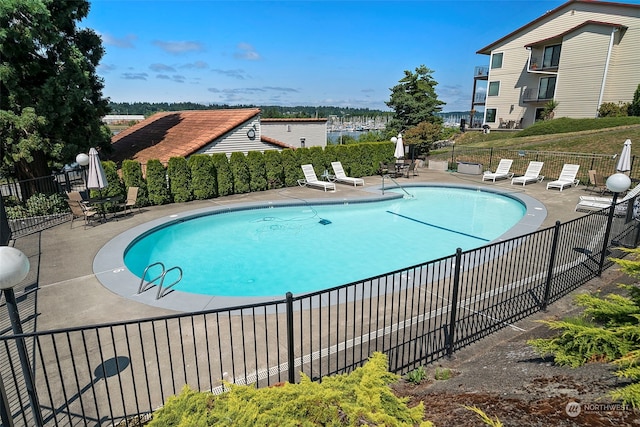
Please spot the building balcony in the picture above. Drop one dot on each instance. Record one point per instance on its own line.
(532, 95)
(479, 98)
(481, 73)
(536, 66)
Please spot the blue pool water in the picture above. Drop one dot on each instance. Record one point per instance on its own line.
(271, 251)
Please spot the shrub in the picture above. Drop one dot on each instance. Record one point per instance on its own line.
(240, 171)
(611, 109)
(179, 180)
(204, 182)
(274, 169)
(291, 168)
(362, 397)
(132, 177)
(257, 171)
(634, 107)
(224, 177)
(416, 376)
(157, 183)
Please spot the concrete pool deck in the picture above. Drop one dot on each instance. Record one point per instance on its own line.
(62, 289)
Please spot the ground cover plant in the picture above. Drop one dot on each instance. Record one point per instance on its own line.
(362, 397)
(607, 331)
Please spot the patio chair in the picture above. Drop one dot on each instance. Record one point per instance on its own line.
(311, 179)
(502, 171)
(410, 171)
(532, 174)
(341, 176)
(567, 177)
(130, 201)
(594, 203)
(78, 210)
(596, 182)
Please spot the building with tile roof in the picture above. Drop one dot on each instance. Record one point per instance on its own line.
(183, 133)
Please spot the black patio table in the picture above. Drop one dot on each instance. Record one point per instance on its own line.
(100, 202)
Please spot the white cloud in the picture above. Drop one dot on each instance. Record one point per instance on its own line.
(246, 52)
(177, 48)
(125, 42)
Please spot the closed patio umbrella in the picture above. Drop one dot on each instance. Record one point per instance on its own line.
(624, 162)
(96, 178)
(399, 147)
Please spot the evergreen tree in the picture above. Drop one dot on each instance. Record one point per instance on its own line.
(51, 101)
(634, 107)
(414, 100)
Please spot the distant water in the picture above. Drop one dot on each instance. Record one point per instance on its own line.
(334, 137)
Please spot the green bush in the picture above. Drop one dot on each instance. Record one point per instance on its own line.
(362, 397)
(611, 109)
(132, 177)
(204, 182)
(224, 176)
(634, 107)
(157, 183)
(240, 171)
(274, 169)
(257, 171)
(291, 168)
(179, 180)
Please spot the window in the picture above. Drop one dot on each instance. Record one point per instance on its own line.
(496, 60)
(551, 57)
(539, 114)
(491, 115)
(547, 88)
(494, 89)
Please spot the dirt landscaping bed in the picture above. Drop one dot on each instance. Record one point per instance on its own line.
(507, 379)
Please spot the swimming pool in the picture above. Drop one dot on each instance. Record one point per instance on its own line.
(305, 248)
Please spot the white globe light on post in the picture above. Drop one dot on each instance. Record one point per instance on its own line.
(15, 267)
(616, 183)
(83, 160)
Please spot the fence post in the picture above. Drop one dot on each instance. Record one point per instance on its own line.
(552, 262)
(454, 303)
(290, 351)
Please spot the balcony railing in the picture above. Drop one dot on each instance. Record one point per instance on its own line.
(481, 72)
(480, 98)
(532, 95)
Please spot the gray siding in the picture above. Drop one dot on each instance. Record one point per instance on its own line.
(314, 133)
(238, 140)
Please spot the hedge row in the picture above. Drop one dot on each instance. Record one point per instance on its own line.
(207, 176)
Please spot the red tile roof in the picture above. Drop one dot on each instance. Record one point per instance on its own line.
(176, 134)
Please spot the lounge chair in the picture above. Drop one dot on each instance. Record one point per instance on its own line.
(502, 171)
(593, 203)
(341, 176)
(532, 174)
(411, 170)
(567, 177)
(311, 179)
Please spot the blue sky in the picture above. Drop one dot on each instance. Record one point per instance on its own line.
(342, 53)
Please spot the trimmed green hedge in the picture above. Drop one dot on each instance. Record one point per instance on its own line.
(179, 176)
(205, 176)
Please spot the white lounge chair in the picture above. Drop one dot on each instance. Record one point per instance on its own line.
(502, 171)
(532, 174)
(310, 179)
(567, 177)
(593, 203)
(341, 176)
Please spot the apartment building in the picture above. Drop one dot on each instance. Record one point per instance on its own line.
(580, 55)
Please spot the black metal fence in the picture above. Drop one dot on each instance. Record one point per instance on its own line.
(17, 193)
(106, 374)
(604, 164)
